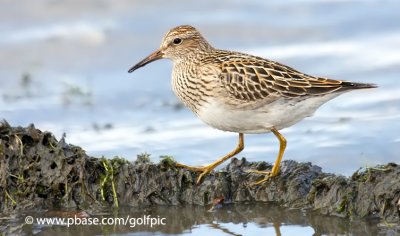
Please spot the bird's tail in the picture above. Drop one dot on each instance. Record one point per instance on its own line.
(353, 85)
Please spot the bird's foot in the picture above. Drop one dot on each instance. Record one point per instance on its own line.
(204, 170)
(268, 175)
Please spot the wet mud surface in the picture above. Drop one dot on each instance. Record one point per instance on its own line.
(39, 172)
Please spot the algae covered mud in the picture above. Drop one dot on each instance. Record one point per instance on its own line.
(41, 176)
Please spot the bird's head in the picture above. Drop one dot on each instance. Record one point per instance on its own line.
(179, 43)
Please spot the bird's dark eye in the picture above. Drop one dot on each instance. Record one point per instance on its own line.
(177, 41)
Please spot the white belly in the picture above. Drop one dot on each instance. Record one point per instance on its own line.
(279, 114)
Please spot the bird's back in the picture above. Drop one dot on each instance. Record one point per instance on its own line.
(252, 78)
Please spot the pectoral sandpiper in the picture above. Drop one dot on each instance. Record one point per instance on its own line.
(241, 93)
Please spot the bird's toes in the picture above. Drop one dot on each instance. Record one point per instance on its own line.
(201, 176)
(265, 179)
(261, 172)
(199, 179)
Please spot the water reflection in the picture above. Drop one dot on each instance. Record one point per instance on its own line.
(231, 219)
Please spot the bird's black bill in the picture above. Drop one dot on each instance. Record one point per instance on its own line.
(152, 57)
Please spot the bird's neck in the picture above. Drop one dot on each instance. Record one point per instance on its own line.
(193, 57)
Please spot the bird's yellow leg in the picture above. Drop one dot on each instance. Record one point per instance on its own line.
(208, 168)
(275, 169)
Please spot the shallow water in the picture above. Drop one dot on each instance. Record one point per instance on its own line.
(64, 68)
(238, 219)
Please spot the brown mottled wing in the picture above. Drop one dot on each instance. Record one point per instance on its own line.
(256, 78)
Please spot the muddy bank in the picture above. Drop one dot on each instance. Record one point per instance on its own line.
(37, 171)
